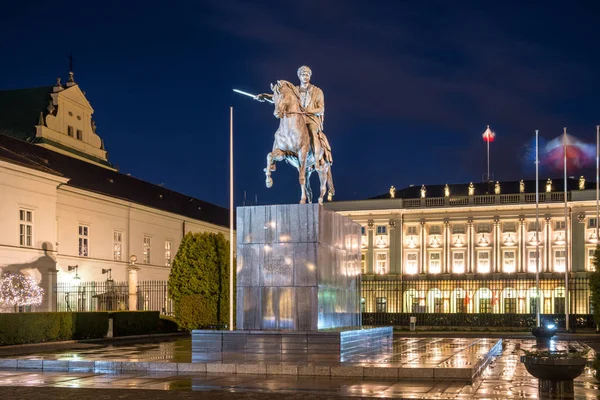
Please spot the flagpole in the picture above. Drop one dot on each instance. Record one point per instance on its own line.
(231, 244)
(537, 231)
(567, 242)
(488, 160)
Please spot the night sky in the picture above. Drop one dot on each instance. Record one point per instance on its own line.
(409, 86)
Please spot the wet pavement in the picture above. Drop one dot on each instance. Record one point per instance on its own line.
(504, 378)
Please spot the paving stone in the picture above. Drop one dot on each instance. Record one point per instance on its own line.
(282, 369)
(221, 368)
(251, 369)
(191, 367)
(8, 363)
(134, 366)
(81, 366)
(380, 372)
(55, 365)
(29, 364)
(162, 366)
(347, 371)
(314, 370)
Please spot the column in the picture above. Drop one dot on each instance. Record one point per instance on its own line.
(399, 244)
(521, 240)
(423, 249)
(48, 283)
(446, 248)
(369, 260)
(496, 245)
(547, 244)
(132, 283)
(392, 246)
(470, 246)
(577, 241)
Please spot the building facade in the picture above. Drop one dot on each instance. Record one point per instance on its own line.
(67, 215)
(471, 249)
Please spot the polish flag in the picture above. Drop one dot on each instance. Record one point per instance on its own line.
(488, 135)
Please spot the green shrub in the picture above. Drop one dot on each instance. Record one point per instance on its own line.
(167, 324)
(90, 325)
(194, 312)
(201, 268)
(21, 328)
(127, 323)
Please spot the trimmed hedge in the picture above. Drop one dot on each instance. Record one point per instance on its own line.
(38, 327)
(126, 323)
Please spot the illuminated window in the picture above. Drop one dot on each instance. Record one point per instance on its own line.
(591, 253)
(531, 263)
(380, 304)
(25, 228)
(435, 263)
(483, 262)
(435, 230)
(483, 228)
(146, 250)
(363, 263)
(168, 245)
(84, 240)
(381, 263)
(509, 227)
(559, 261)
(509, 261)
(118, 245)
(411, 263)
(458, 262)
(458, 229)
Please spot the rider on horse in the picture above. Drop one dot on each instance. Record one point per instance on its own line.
(313, 106)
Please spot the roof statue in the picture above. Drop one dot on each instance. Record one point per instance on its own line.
(497, 188)
(471, 189)
(521, 186)
(300, 139)
(423, 191)
(549, 185)
(581, 183)
(446, 191)
(392, 192)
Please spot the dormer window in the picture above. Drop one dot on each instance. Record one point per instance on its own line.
(70, 131)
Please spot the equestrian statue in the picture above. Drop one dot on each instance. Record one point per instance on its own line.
(300, 139)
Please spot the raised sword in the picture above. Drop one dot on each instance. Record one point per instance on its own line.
(250, 95)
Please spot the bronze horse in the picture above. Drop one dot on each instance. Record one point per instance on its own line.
(293, 144)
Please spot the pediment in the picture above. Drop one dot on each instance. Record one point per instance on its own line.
(75, 95)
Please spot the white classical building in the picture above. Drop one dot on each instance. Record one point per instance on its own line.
(66, 213)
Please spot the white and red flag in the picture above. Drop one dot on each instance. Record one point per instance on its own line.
(488, 135)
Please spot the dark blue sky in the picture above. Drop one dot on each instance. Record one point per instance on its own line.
(409, 86)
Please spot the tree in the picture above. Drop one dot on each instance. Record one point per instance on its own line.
(199, 281)
(19, 290)
(594, 279)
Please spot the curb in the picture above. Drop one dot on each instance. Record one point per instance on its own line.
(112, 339)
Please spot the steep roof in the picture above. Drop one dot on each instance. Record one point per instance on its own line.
(20, 111)
(96, 179)
(506, 187)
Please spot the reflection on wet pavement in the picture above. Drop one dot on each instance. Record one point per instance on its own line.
(504, 378)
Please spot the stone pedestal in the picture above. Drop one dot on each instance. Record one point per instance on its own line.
(298, 268)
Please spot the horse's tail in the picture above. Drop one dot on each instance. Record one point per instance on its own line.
(331, 189)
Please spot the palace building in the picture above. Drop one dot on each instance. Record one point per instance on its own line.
(471, 249)
(68, 216)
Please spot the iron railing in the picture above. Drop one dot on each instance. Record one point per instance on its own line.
(91, 296)
(154, 296)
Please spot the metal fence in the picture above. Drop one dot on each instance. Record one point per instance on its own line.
(112, 296)
(474, 302)
(92, 296)
(448, 320)
(154, 296)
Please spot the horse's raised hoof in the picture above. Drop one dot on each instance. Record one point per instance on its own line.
(269, 182)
